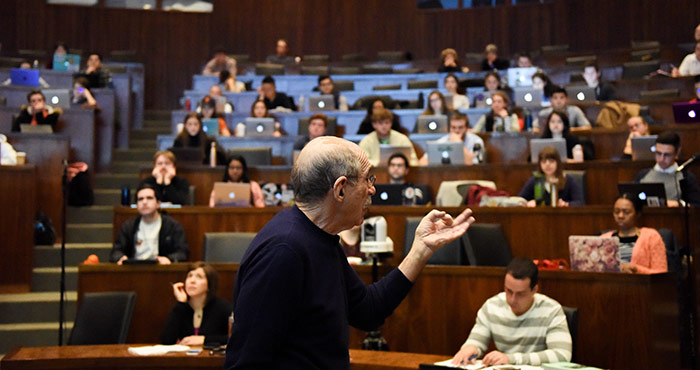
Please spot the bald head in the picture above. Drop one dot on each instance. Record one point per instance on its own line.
(697, 33)
(321, 162)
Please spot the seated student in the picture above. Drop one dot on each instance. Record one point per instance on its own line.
(326, 87)
(376, 106)
(281, 53)
(164, 179)
(449, 61)
(82, 95)
(272, 98)
(199, 317)
(383, 134)
(668, 147)
(492, 83)
(37, 112)
(230, 83)
(26, 65)
(459, 101)
(560, 100)
(150, 235)
(638, 127)
(523, 60)
(207, 109)
(641, 249)
(216, 93)
(192, 136)
(459, 131)
(259, 110)
(60, 48)
(219, 63)
(557, 126)
(527, 328)
(498, 119)
(97, 76)
(397, 168)
(237, 171)
(550, 171)
(436, 105)
(492, 61)
(317, 127)
(541, 81)
(603, 90)
(690, 66)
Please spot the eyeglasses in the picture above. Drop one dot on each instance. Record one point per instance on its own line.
(370, 179)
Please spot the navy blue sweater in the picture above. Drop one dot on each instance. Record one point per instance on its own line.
(295, 297)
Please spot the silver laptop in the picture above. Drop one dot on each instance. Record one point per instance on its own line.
(644, 148)
(581, 94)
(521, 77)
(220, 104)
(386, 150)
(594, 253)
(228, 194)
(259, 126)
(432, 124)
(528, 97)
(321, 103)
(26, 128)
(445, 153)
(483, 100)
(449, 100)
(536, 146)
(57, 97)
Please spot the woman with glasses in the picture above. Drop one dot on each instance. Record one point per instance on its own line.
(237, 171)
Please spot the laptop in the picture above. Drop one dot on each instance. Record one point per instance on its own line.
(188, 155)
(449, 100)
(259, 126)
(528, 97)
(220, 104)
(521, 77)
(210, 126)
(483, 100)
(24, 77)
(594, 253)
(536, 145)
(644, 148)
(386, 150)
(57, 97)
(321, 103)
(451, 152)
(230, 194)
(686, 112)
(432, 124)
(66, 62)
(388, 195)
(26, 128)
(581, 94)
(653, 194)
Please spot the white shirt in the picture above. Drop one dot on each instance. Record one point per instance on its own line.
(147, 240)
(470, 140)
(690, 66)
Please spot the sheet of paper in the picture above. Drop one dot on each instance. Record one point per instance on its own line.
(479, 366)
(157, 349)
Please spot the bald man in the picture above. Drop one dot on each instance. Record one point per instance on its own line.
(295, 295)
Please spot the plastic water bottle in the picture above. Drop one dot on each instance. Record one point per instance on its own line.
(302, 108)
(553, 195)
(212, 154)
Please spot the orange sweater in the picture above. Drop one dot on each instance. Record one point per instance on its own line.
(649, 253)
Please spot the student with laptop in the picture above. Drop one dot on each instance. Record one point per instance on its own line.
(317, 127)
(550, 174)
(192, 136)
(237, 172)
(474, 147)
(690, 66)
(436, 105)
(259, 110)
(208, 111)
(642, 250)
(557, 126)
(527, 328)
(326, 87)
(164, 179)
(36, 113)
(681, 186)
(498, 118)
(459, 101)
(151, 235)
(26, 68)
(638, 128)
(383, 134)
(559, 100)
(492, 83)
(398, 191)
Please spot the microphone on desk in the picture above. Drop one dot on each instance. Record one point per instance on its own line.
(688, 162)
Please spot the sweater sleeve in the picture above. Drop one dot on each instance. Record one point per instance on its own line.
(480, 336)
(528, 190)
(369, 305)
(178, 251)
(649, 254)
(174, 328)
(558, 344)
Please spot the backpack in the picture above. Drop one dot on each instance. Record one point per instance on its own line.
(473, 197)
(44, 233)
(616, 113)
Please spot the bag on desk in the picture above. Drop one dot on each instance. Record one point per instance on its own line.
(44, 233)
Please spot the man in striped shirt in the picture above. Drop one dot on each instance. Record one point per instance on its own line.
(526, 327)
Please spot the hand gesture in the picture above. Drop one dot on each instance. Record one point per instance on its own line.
(179, 292)
(562, 203)
(121, 260)
(466, 355)
(438, 228)
(169, 173)
(158, 175)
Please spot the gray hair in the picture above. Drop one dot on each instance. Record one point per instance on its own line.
(313, 179)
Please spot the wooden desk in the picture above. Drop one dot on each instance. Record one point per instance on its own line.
(117, 357)
(18, 189)
(547, 229)
(625, 321)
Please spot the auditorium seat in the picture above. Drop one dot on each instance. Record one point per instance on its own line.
(377, 69)
(408, 71)
(261, 156)
(343, 85)
(331, 127)
(353, 57)
(452, 193)
(659, 94)
(315, 58)
(387, 87)
(427, 84)
(335, 70)
(265, 69)
(392, 56)
(486, 245)
(639, 69)
(645, 55)
(638, 45)
(673, 254)
(580, 178)
(554, 49)
(226, 247)
(103, 318)
(450, 254)
(240, 58)
(572, 321)
(580, 61)
(314, 70)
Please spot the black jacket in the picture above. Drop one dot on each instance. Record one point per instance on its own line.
(171, 240)
(176, 193)
(41, 119)
(214, 324)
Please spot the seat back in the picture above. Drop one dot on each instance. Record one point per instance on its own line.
(344, 85)
(254, 156)
(337, 70)
(103, 318)
(572, 320)
(486, 245)
(450, 254)
(387, 87)
(377, 69)
(331, 127)
(314, 70)
(392, 56)
(639, 69)
(263, 69)
(673, 254)
(451, 193)
(580, 178)
(226, 247)
(315, 58)
(426, 84)
(659, 94)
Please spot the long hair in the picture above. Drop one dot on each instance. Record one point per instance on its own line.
(547, 132)
(244, 176)
(429, 108)
(212, 278)
(549, 152)
(188, 140)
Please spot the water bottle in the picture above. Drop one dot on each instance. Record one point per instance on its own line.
(126, 196)
(553, 195)
(478, 153)
(212, 154)
(528, 122)
(302, 108)
(188, 105)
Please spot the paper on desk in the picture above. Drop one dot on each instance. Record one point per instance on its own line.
(477, 365)
(157, 349)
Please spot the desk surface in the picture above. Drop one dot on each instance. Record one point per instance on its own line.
(118, 357)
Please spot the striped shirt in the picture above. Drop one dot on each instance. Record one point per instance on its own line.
(539, 335)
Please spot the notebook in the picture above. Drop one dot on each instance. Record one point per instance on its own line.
(57, 97)
(386, 150)
(686, 112)
(259, 126)
(581, 93)
(321, 103)
(536, 145)
(528, 97)
(653, 194)
(66, 62)
(594, 253)
(451, 152)
(229, 194)
(432, 124)
(24, 77)
(643, 148)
